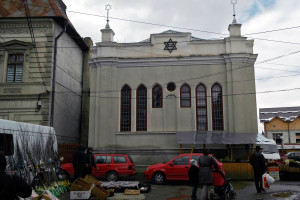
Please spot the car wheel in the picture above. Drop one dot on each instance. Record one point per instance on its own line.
(159, 178)
(112, 176)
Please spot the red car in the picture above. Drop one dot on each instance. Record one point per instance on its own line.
(176, 169)
(111, 166)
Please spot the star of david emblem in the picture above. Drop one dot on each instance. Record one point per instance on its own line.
(170, 45)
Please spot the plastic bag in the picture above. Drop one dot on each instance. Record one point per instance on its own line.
(270, 179)
(265, 182)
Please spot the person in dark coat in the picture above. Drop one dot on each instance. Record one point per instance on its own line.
(257, 161)
(78, 161)
(193, 176)
(205, 172)
(12, 186)
(90, 161)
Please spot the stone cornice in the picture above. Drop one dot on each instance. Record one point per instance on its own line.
(9, 26)
(157, 62)
(172, 61)
(23, 28)
(238, 58)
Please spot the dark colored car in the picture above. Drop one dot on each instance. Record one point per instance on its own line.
(176, 169)
(111, 166)
(293, 156)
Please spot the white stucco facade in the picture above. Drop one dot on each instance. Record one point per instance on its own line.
(228, 62)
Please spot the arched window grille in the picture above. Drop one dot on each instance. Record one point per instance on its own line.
(217, 107)
(141, 108)
(201, 108)
(185, 96)
(157, 96)
(126, 108)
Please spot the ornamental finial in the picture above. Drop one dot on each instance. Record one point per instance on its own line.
(107, 8)
(233, 2)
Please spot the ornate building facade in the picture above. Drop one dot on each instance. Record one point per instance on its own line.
(43, 67)
(143, 94)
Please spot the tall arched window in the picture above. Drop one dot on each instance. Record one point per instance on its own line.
(217, 107)
(157, 96)
(201, 108)
(126, 108)
(141, 108)
(185, 96)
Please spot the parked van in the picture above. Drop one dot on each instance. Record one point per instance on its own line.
(270, 150)
(21, 139)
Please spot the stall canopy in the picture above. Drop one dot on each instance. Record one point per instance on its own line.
(194, 137)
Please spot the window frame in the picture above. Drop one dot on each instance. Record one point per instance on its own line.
(15, 63)
(105, 160)
(161, 98)
(221, 106)
(196, 92)
(277, 136)
(181, 157)
(123, 107)
(115, 156)
(141, 108)
(185, 99)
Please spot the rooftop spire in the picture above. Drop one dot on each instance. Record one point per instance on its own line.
(233, 2)
(107, 8)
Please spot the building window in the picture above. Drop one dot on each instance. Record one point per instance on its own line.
(201, 109)
(15, 63)
(217, 107)
(126, 108)
(141, 108)
(277, 137)
(297, 137)
(185, 96)
(157, 96)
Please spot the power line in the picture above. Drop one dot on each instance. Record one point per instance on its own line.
(224, 95)
(277, 57)
(274, 30)
(177, 27)
(282, 64)
(32, 36)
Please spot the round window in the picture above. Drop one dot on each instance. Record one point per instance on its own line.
(171, 86)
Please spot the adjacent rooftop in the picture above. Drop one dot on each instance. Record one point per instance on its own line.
(287, 114)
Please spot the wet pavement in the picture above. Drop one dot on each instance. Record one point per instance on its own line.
(180, 190)
(249, 193)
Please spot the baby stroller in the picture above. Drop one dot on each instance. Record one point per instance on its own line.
(222, 187)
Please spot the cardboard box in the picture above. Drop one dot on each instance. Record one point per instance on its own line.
(99, 194)
(132, 191)
(80, 189)
(91, 179)
(80, 194)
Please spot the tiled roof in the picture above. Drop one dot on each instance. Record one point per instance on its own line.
(37, 8)
(55, 9)
(284, 113)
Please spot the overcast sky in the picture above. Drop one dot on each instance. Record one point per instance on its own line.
(213, 16)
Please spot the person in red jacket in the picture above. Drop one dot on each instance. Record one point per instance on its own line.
(12, 186)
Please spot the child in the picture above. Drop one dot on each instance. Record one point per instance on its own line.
(193, 176)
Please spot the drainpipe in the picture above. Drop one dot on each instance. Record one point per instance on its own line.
(54, 74)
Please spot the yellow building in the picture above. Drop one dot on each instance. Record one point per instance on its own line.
(281, 123)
